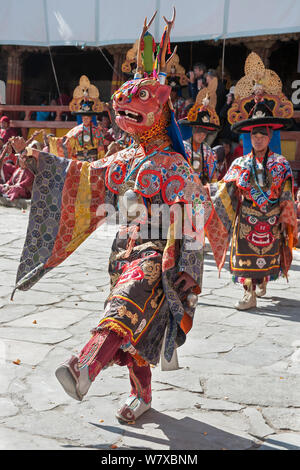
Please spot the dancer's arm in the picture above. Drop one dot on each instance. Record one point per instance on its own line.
(224, 198)
(190, 265)
(71, 193)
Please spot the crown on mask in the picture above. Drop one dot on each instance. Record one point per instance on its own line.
(259, 99)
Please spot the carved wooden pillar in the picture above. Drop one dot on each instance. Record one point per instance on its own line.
(119, 55)
(15, 56)
(263, 48)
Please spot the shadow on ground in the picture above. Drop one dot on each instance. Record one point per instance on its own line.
(162, 431)
(284, 308)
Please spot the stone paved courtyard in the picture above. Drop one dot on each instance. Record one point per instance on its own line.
(238, 386)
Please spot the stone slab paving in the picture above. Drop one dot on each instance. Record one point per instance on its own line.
(238, 386)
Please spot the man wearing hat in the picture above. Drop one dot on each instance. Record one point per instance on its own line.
(84, 142)
(6, 131)
(254, 200)
(201, 121)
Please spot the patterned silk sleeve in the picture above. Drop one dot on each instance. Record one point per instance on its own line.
(224, 198)
(98, 136)
(66, 207)
(188, 150)
(211, 162)
(191, 259)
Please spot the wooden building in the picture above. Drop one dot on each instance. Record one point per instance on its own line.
(31, 73)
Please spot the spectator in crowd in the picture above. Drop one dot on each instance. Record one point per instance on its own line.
(226, 132)
(220, 153)
(220, 92)
(239, 149)
(201, 83)
(52, 116)
(188, 103)
(7, 166)
(178, 103)
(64, 100)
(7, 153)
(6, 131)
(20, 183)
(1, 146)
(16, 180)
(9, 160)
(43, 115)
(6, 171)
(173, 78)
(202, 157)
(196, 78)
(105, 120)
(203, 122)
(107, 130)
(228, 158)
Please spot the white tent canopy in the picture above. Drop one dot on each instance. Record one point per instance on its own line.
(104, 22)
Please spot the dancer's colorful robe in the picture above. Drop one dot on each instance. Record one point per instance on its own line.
(208, 170)
(81, 143)
(66, 208)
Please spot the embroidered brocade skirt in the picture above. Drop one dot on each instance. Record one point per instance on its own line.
(137, 307)
(255, 248)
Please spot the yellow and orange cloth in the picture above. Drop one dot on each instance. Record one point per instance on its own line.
(77, 141)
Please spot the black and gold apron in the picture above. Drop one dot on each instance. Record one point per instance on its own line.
(255, 248)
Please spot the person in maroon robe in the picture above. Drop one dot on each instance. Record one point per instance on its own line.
(7, 164)
(239, 149)
(6, 171)
(228, 159)
(7, 154)
(19, 185)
